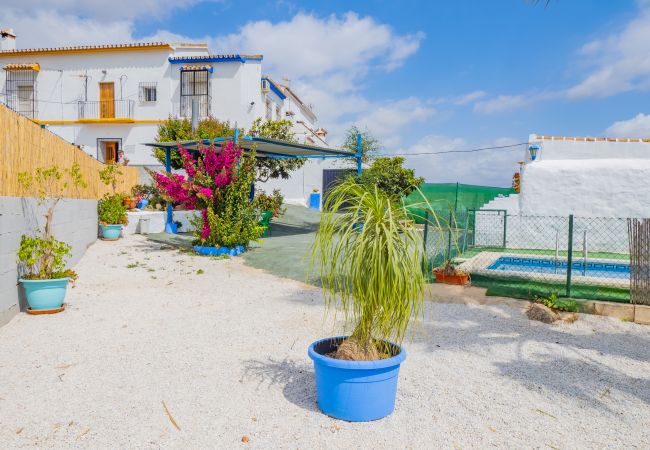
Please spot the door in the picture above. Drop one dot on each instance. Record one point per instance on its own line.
(110, 152)
(331, 177)
(107, 100)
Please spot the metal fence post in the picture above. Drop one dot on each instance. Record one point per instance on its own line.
(505, 227)
(425, 262)
(569, 260)
(449, 235)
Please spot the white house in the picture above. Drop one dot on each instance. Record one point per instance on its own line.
(110, 99)
(583, 176)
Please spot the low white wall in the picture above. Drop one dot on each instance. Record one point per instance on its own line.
(299, 186)
(157, 221)
(570, 149)
(75, 222)
(587, 188)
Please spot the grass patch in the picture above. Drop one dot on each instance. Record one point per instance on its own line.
(530, 290)
(200, 272)
(132, 265)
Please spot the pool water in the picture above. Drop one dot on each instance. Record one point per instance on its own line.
(542, 265)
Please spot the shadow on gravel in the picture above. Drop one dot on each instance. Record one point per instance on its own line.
(296, 379)
(565, 362)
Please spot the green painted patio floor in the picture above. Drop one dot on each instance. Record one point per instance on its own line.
(284, 253)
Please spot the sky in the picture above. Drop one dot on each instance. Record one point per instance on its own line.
(421, 76)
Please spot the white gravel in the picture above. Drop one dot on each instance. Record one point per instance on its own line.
(226, 351)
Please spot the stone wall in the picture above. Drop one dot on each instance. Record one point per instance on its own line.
(75, 222)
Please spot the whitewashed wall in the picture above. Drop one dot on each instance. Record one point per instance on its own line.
(75, 222)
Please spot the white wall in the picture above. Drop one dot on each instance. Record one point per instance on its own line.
(557, 149)
(589, 188)
(75, 222)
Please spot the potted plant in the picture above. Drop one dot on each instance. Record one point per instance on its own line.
(111, 213)
(111, 209)
(142, 194)
(451, 274)
(373, 274)
(269, 203)
(42, 258)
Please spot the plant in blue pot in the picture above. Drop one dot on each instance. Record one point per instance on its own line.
(44, 277)
(112, 216)
(41, 258)
(111, 210)
(373, 275)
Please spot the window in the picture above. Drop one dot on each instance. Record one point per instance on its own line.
(195, 85)
(269, 109)
(278, 112)
(148, 92)
(20, 87)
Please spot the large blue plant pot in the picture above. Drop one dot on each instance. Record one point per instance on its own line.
(45, 294)
(356, 391)
(111, 232)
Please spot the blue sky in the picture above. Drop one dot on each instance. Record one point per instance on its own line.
(421, 75)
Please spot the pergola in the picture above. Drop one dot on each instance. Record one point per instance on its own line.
(264, 148)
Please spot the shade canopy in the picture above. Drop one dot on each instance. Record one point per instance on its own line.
(264, 147)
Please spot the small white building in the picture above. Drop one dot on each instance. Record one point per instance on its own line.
(110, 99)
(586, 177)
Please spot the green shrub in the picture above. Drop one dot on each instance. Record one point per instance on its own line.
(389, 176)
(44, 258)
(273, 203)
(553, 302)
(111, 210)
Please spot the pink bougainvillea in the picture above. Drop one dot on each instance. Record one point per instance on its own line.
(218, 184)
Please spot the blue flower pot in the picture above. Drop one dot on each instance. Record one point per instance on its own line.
(45, 294)
(111, 232)
(142, 204)
(314, 200)
(356, 391)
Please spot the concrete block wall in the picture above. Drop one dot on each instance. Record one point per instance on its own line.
(75, 222)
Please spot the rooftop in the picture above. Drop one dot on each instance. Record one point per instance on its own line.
(92, 48)
(587, 139)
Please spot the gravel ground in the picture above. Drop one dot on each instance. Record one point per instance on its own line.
(224, 347)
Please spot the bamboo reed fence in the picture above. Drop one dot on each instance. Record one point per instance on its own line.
(24, 146)
(639, 235)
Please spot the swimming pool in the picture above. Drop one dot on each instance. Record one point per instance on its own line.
(548, 266)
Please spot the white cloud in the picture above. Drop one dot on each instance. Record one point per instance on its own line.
(100, 9)
(470, 97)
(501, 103)
(620, 62)
(308, 46)
(636, 127)
(491, 168)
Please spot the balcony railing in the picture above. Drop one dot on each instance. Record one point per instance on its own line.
(106, 109)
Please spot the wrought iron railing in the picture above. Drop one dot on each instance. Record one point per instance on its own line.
(106, 109)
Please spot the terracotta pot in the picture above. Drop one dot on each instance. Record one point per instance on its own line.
(460, 279)
(130, 202)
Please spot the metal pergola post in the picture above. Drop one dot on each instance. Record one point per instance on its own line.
(359, 154)
(170, 226)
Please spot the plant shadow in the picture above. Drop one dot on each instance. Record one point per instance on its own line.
(295, 378)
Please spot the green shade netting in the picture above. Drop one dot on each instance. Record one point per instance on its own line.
(451, 196)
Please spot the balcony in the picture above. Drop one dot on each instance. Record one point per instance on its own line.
(117, 111)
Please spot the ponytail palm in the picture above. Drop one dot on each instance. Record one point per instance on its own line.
(369, 256)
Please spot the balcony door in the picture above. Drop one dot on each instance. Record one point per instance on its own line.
(107, 100)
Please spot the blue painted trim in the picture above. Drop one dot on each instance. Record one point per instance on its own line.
(216, 58)
(274, 88)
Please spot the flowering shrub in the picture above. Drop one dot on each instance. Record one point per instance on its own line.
(218, 183)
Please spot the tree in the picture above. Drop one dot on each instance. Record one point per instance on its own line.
(175, 130)
(275, 168)
(390, 177)
(370, 145)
